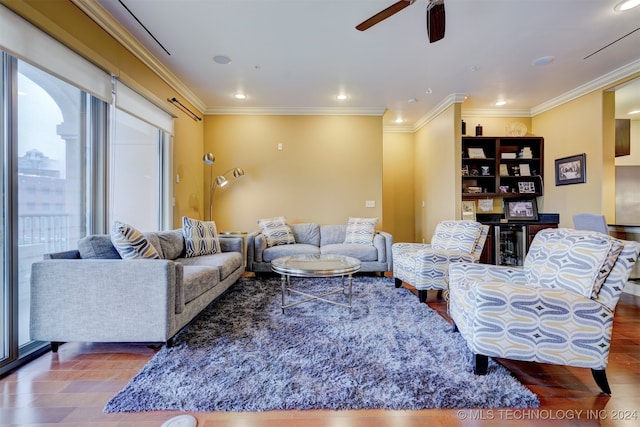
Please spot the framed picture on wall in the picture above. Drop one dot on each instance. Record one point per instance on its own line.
(521, 209)
(571, 170)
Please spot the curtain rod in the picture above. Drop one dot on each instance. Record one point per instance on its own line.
(184, 108)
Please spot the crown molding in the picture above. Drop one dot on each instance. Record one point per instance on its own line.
(100, 16)
(454, 98)
(286, 111)
(495, 112)
(597, 84)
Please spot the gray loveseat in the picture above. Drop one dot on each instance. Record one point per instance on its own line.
(321, 239)
(93, 295)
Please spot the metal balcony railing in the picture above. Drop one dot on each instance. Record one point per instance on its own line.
(52, 231)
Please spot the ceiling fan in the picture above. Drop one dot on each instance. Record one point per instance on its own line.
(435, 17)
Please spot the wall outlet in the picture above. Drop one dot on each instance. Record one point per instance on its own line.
(279, 147)
(370, 204)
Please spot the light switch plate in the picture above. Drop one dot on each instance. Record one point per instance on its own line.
(370, 204)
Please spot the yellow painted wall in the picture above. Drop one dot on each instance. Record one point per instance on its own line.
(398, 185)
(328, 167)
(576, 127)
(438, 164)
(65, 22)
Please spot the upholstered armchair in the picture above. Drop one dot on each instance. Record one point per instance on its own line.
(426, 266)
(557, 308)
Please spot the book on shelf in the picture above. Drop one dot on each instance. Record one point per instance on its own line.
(526, 153)
(508, 155)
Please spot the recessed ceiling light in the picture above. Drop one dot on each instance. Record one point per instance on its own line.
(429, 91)
(398, 120)
(501, 103)
(240, 96)
(222, 59)
(634, 112)
(626, 5)
(543, 60)
(341, 97)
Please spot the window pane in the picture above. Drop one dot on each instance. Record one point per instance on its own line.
(135, 173)
(51, 174)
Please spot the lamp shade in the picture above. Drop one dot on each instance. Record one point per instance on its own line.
(221, 181)
(209, 158)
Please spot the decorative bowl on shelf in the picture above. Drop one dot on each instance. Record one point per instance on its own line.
(515, 129)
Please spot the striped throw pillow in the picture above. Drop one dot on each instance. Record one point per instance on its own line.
(276, 231)
(130, 243)
(360, 231)
(200, 237)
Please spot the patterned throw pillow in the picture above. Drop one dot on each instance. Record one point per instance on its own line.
(276, 231)
(130, 243)
(200, 237)
(360, 231)
(578, 261)
(456, 236)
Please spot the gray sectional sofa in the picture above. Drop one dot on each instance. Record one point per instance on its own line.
(313, 238)
(93, 295)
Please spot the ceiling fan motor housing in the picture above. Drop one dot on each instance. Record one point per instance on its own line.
(435, 20)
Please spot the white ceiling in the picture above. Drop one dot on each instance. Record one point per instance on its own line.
(295, 56)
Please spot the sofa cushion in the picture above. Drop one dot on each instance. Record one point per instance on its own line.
(274, 252)
(171, 243)
(225, 262)
(358, 251)
(306, 233)
(277, 231)
(197, 280)
(360, 231)
(332, 233)
(130, 243)
(579, 261)
(200, 237)
(97, 246)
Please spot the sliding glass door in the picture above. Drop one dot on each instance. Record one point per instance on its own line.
(49, 153)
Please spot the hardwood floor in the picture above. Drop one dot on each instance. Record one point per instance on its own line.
(70, 389)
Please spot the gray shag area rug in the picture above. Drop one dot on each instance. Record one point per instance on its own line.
(391, 352)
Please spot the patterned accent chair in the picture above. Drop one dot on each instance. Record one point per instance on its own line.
(426, 266)
(557, 308)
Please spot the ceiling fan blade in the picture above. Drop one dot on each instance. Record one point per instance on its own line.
(435, 20)
(380, 16)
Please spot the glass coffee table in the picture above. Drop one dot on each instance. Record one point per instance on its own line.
(316, 266)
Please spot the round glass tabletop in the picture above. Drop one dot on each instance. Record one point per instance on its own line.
(316, 265)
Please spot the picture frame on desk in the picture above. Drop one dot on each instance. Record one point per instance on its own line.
(526, 187)
(571, 170)
(469, 210)
(521, 209)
